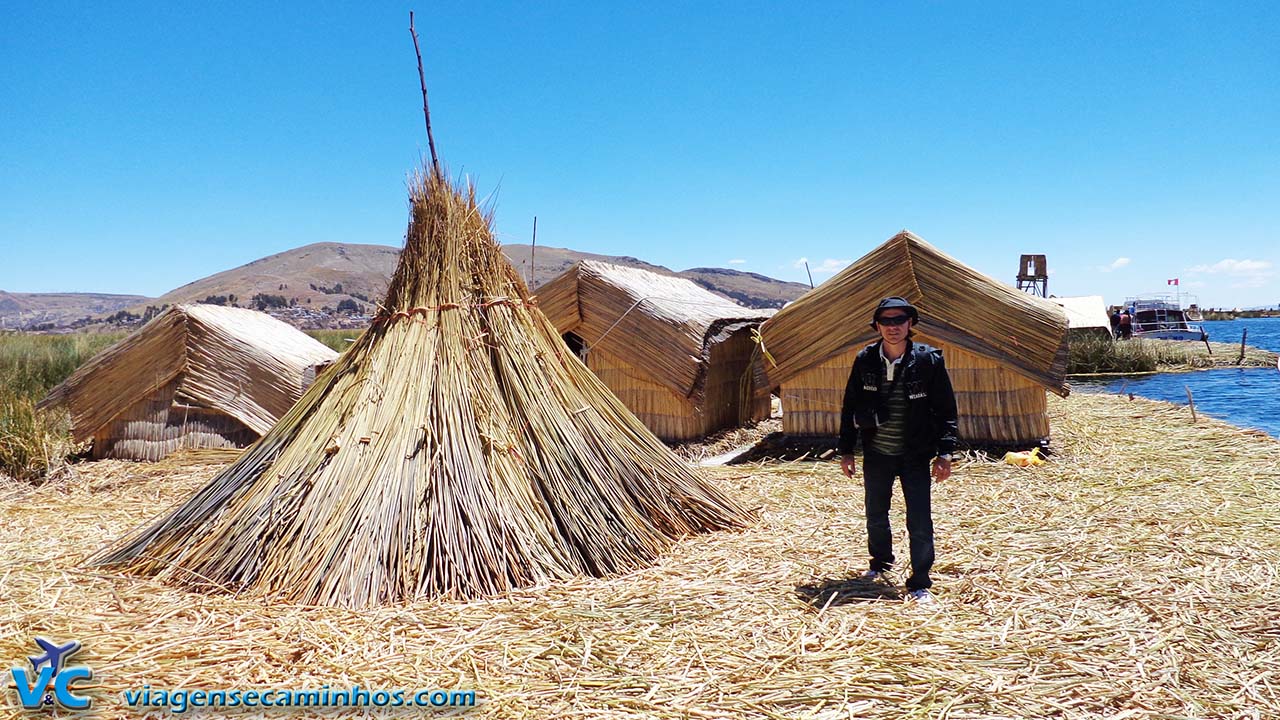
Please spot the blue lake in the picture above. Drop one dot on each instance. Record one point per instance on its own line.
(1263, 332)
(1248, 397)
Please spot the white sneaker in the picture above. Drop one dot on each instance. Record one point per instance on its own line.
(922, 596)
(872, 575)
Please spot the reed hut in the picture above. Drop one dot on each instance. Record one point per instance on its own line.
(1086, 316)
(195, 376)
(675, 353)
(1003, 348)
(456, 448)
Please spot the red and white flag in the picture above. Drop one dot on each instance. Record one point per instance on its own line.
(1172, 282)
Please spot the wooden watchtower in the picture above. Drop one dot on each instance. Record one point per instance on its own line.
(1033, 275)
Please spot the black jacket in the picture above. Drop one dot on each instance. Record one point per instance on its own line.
(931, 403)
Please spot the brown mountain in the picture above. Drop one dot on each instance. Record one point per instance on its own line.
(746, 288)
(324, 274)
(317, 275)
(551, 261)
(317, 278)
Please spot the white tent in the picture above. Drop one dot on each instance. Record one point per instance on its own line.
(1086, 314)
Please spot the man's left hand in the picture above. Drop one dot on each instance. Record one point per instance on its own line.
(941, 469)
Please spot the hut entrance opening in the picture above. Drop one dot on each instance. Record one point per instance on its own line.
(576, 345)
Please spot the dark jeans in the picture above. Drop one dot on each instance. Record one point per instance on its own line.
(878, 472)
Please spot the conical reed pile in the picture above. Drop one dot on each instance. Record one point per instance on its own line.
(457, 448)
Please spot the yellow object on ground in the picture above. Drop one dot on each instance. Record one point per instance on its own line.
(1024, 459)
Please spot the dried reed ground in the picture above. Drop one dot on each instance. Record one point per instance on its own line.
(1134, 577)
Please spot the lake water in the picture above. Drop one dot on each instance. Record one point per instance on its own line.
(1263, 332)
(1248, 397)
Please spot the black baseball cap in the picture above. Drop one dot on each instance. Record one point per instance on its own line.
(895, 303)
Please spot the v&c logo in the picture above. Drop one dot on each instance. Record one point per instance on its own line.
(48, 672)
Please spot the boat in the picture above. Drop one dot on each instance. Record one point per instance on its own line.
(1162, 317)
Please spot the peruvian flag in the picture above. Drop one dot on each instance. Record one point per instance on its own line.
(1172, 282)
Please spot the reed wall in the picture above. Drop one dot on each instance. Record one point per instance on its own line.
(156, 425)
(956, 302)
(811, 403)
(728, 366)
(997, 406)
(674, 418)
(670, 417)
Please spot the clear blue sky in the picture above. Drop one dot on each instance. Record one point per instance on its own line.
(143, 146)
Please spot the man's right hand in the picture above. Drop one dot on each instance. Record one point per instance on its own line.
(847, 465)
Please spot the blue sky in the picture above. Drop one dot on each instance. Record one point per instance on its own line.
(143, 146)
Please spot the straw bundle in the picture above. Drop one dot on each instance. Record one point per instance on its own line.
(672, 351)
(195, 376)
(456, 448)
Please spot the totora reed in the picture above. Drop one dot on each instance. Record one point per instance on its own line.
(1131, 577)
(457, 448)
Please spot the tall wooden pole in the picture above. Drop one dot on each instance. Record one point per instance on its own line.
(426, 112)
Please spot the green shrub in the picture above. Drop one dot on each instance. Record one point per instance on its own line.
(338, 340)
(33, 442)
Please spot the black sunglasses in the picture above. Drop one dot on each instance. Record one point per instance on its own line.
(893, 320)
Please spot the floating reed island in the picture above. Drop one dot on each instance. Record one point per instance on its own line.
(1104, 356)
(457, 448)
(1132, 576)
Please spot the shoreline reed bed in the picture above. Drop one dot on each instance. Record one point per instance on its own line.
(34, 444)
(1102, 356)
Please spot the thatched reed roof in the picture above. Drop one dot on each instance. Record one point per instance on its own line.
(665, 325)
(458, 448)
(243, 363)
(1084, 312)
(958, 305)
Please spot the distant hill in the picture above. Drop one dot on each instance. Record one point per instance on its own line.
(317, 275)
(324, 274)
(551, 261)
(57, 310)
(746, 288)
(307, 284)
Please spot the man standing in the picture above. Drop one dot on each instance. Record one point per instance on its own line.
(899, 400)
(1126, 324)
